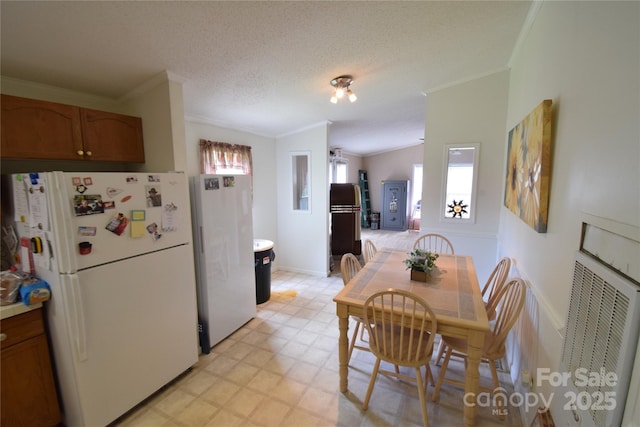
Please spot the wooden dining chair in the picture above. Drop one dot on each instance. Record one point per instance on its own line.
(510, 302)
(493, 285)
(369, 250)
(349, 267)
(401, 327)
(434, 243)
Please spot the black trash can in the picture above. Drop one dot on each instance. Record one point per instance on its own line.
(263, 257)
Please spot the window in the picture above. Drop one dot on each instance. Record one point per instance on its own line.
(338, 170)
(222, 158)
(459, 182)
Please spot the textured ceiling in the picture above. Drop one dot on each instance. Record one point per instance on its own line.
(264, 67)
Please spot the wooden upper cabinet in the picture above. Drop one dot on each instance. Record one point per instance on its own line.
(112, 137)
(34, 129)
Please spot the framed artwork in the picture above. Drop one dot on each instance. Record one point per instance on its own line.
(529, 168)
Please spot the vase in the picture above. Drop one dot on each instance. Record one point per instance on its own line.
(419, 276)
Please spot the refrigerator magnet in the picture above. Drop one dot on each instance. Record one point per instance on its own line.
(170, 217)
(112, 192)
(117, 224)
(154, 198)
(84, 248)
(85, 230)
(137, 223)
(153, 230)
(36, 245)
(88, 204)
(138, 215)
(211, 184)
(34, 177)
(229, 181)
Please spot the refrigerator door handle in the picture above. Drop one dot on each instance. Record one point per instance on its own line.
(201, 240)
(59, 205)
(77, 329)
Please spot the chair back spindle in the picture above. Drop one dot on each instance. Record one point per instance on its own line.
(349, 267)
(369, 250)
(494, 285)
(434, 243)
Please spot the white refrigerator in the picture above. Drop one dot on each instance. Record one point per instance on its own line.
(117, 254)
(223, 242)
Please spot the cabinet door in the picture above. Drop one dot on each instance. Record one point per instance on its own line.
(394, 205)
(343, 234)
(29, 395)
(34, 129)
(28, 392)
(112, 137)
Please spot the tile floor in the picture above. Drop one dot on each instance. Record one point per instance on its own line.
(281, 369)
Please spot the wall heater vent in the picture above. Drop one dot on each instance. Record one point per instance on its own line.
(601, 334)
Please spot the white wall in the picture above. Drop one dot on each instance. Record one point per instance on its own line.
(264, 173)
(162, 150)
(391, 165)
(472, 112)
(584, 56)
(304, 236)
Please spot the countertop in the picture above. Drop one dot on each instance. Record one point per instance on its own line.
(16, 308)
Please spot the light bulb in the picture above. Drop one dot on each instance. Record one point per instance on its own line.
(339, 92)
(334, 100)
(352, 96)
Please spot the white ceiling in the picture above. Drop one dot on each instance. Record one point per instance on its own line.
(264, 67)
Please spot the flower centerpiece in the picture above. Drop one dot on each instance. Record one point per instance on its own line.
(421, 263)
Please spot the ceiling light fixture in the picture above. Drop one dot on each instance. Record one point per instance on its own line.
(342, 86)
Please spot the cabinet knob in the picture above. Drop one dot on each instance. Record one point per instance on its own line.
(80, 152)
(3, 336)
(88, 153)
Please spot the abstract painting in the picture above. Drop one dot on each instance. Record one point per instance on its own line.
(529, 168)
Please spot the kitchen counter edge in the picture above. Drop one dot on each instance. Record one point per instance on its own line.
(14, 309)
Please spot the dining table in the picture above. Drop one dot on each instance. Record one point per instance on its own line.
(451, 290)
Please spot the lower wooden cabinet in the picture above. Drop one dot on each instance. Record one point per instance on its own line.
(29, 395)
